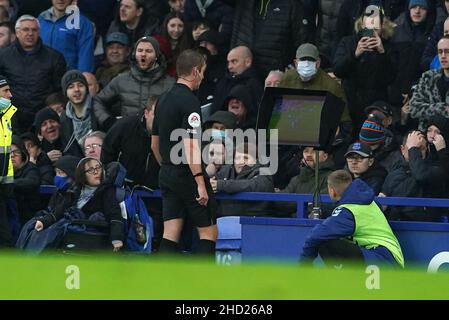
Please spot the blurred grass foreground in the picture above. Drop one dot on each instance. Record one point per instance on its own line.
(118, 277)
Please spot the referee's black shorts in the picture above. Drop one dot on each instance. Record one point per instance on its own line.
(179, 192)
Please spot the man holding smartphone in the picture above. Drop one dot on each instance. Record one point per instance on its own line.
(185, 191)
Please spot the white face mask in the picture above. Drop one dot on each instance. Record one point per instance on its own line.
(306, 70)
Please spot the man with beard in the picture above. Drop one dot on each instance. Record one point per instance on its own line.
(147, 77)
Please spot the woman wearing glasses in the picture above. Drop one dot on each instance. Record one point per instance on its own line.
(92, 194)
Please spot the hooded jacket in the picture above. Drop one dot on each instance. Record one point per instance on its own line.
(342, 225)
(132, 89)
(241, 93)
(76, 43)
(248, 180)
(249, 78)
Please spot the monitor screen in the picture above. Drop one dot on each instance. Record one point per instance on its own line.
(297, 118)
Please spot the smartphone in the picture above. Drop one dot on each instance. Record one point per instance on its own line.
(365, 32)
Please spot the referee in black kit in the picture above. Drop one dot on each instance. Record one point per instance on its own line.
(184, 187)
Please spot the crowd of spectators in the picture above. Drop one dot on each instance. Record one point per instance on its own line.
(86, 75)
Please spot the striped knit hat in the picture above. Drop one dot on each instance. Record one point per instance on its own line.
(372, 132)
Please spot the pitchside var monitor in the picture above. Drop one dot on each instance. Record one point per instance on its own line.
(302, 117)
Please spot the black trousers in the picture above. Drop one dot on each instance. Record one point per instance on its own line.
(5, 230)
(340, 251)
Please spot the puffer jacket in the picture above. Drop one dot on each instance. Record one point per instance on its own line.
(273, 29)
(132, 90)
(327, 38)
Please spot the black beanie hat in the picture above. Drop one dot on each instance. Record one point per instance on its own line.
(71, 77)
(68, 164)
(3, 81)
(46, 113)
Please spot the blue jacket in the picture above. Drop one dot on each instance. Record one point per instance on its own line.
(76, 44)
(341, 224)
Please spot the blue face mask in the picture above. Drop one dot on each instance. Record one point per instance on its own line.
(218, 134)
(306, 70)
(61, 183)
(4, 104)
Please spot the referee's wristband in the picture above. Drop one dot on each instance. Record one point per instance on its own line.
(199, 174)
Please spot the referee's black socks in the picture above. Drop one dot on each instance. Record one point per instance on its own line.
(206, 247)
(168, 246)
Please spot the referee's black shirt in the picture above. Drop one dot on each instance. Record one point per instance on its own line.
(178, 108)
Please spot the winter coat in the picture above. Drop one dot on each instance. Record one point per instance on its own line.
(75, 42)
(416, 178)
(101, 12)
(408, 43)
(67, 134)
(33, 7)
(32, 77)
(129, 142)
(428, 99)
(26, 191)
(46, 170)
(273, 32)
(105, 73)
(321, 81)
(132, 89)
(249, 180)
(365, 79)
(430, 48)
(304, 183)
(374, 177)
(104, 200)
(388, 153)
(215, 71)
(218, 14)
(326, 37)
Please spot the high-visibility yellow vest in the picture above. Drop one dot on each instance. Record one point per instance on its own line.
(6, 169)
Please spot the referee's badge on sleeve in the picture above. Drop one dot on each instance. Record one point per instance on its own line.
(194, 120)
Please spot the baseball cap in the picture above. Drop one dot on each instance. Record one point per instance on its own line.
(380, 105)
(118, 37)
(361, 149)
(307, 50)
